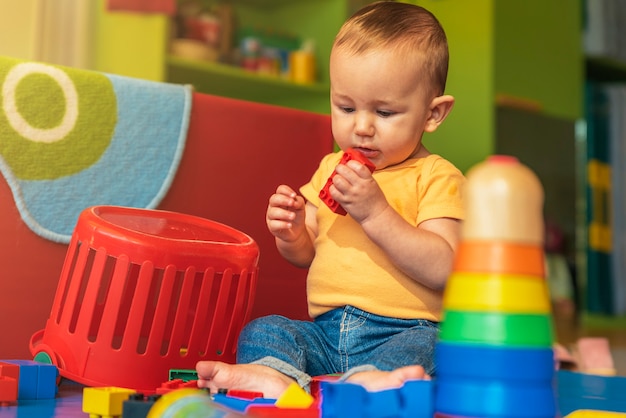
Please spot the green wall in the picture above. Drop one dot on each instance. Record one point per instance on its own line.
(539, 54)
(131, 44)
(467, 136)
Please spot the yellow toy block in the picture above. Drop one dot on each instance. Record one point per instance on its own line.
(105, 402)
(587, 413)
(294, 397)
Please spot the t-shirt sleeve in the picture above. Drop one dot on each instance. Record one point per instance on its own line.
(440, 191)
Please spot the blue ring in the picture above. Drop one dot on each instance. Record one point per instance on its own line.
(494, 398)
(480, 361)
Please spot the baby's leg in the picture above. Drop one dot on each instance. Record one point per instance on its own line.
(216, 375)
(374, 380)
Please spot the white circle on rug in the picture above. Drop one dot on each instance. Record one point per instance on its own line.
(21, 125)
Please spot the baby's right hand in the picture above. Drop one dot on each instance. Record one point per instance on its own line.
(286, 214)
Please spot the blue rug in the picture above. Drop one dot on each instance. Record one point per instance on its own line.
(71, 139)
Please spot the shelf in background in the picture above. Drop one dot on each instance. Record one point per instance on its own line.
(605, 69)
(229, 81)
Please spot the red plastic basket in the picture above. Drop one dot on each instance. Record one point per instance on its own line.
(145, 291)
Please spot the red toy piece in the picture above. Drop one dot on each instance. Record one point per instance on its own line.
(244, 394)
(175, 384)
(8, 390)
(349, 154)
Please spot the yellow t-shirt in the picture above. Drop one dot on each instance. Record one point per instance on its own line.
(349, 269)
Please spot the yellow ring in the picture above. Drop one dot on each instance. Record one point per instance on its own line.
(497, 293)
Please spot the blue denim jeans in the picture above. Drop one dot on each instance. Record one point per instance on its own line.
(337, 342)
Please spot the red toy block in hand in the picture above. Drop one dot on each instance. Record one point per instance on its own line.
(349, 154)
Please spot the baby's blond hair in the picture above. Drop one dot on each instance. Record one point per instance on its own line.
(410, 29)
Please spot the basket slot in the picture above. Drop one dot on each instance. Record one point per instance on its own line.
(220, 314)
(59, 297)
(90, 299)
(70, 305)
(182, 313)
(199, 324)
(162, 311)
(238, 310)
(114, 300)
(132, 336)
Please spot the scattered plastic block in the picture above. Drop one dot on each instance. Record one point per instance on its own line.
(240, 404)
(8, 390)
(294, 397)
(36, 380)
(587, 413)
(576, 391)
(176, 384)
(594, 356)
(138, 405)
(317, 380)
(105, 401)
(183, 374)
(415, 399)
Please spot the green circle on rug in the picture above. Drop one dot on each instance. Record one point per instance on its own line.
(41, 102)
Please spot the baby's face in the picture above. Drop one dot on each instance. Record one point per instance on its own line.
(378, 105)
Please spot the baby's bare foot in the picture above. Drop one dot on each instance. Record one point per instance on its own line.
(216, 375)
(375, 380)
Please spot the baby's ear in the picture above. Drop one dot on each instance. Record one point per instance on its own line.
(440, 108)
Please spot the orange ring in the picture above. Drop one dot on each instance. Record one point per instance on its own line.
(499, 257)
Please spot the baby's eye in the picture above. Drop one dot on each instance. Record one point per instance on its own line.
(385, 113)
(347, 109)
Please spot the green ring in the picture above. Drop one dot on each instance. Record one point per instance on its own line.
(496, 328)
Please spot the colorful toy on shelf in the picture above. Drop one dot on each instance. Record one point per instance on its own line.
(495, 354)
(349, 154)
(147, 291)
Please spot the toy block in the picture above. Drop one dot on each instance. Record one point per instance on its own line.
(244, 394)
(258, 410)
(105, 402)
(590, 392)
(240, 404)
(414, 399)
(324, 195)
(317, 380)
(183, 374)
(8, 390)
(176, 384)
(137, 405)
(294, 397)
(10, 370)
(588, 413)
(36, 380)
(594, 356)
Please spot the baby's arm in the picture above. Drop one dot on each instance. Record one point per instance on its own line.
(425, 253)
(292, 222)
